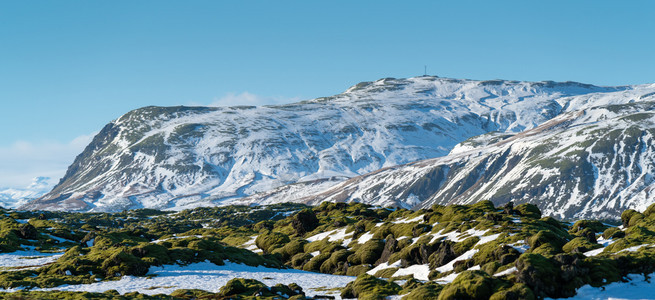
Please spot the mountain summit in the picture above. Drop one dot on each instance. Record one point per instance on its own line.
(180, 157)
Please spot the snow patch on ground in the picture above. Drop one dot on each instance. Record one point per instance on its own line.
(521, 246)
(332, 235)
(26, 259)
(419, 272)
(179, 237)
(506, 272)
(601, 241)
(413, 220)
(634, 248)
(488, 238)
(450, 266)
(458, 237)
(447, 279)
(365, 238)
(636, 288)
(593, 252)
(383, 266)
(250, 245)
(210, 277)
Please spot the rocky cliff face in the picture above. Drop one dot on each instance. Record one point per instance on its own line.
(177, 157)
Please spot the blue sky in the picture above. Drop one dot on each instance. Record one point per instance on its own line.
(69, 67)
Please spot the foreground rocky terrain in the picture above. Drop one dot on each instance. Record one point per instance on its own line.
(474, 251)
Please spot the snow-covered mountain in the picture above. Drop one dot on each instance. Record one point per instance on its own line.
(13, 197)
(175, 157)
(179, 157)
(591, 163)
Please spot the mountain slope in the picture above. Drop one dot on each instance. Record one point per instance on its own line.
(176, 157)
(595, 163)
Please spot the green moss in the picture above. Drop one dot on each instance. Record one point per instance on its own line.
(634, 236)
(428, 291)
(595, 226)
(491, 267)
(528, 210)
(650, 211)
(635, 219)
(400, 229)
(304, 221)
(240, 288)
(579, 245)
(497, 253)
(410, 254)
(337, 262)
(357, 270)
(292, 248)
(369, 287)
(122, 263)
(269, 241)
(537, 271)
(368, 253)
(546, 242)
(122, 245)
(300, 259)
(465, 245)
(627, 215)
(315, 263)
(323, 246)
(613, 233)
(516, 291)
(386, 273)
(602, 271)
(484, 206)
(59, 295)
(191, 294)
(471, 285)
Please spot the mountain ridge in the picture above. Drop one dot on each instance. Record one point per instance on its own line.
(179, 157)
(500, 171)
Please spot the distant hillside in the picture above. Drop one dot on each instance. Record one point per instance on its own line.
(176, 157)
(592, 163)
(13, 197)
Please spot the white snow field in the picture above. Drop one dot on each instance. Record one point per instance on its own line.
(210, 277)
(637, 288)
(26, 259)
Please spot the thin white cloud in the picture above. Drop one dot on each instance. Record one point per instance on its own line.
(246, 98)
(21, 161)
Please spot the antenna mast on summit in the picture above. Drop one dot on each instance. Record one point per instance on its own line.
(425, 68)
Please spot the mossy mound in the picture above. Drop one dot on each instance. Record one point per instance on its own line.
(555, 277)
(270, 241)
(369, 287)
(476, 285)
(240, 288)
(595, 226)
(429, 291)
(516, 291)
